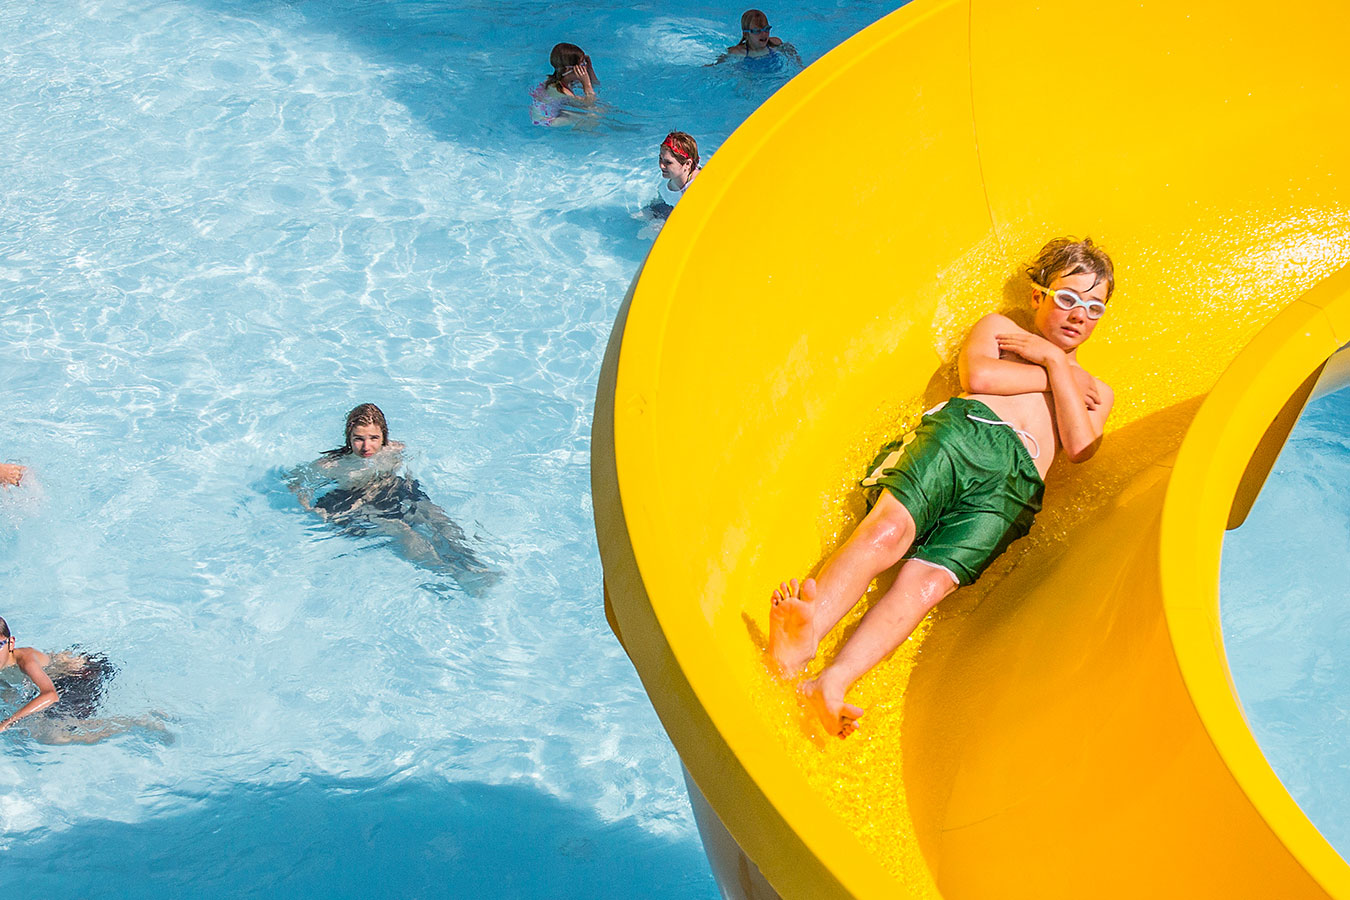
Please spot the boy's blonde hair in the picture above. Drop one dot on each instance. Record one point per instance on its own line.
(1070, 256)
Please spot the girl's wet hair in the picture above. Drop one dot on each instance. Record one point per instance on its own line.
(365, 414)
(682, 146)
(4, 630)
(565, 56)
(1070, 256)
(753, 18)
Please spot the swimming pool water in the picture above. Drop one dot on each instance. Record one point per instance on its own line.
(1286, 623)
(224, 223)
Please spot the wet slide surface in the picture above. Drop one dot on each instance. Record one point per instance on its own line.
(1068, 720)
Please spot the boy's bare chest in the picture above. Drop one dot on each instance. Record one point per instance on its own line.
(1030, 413)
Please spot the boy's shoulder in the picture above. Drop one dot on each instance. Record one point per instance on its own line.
(31, 656)
(995, 322)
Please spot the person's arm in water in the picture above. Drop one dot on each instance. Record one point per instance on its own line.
(789, 51)
(733, 50)
(1080, 426)
(301, 481)
(11, 473)
(984, 370)
(31, 663)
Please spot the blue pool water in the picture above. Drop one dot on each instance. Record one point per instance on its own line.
(224, 223)
(1284, 588)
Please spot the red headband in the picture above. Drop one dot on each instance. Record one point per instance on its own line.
(669, 144)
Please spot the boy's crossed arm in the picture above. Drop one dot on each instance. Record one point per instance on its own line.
(1081, 401)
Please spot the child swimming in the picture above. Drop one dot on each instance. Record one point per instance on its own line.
(756, 43)
(952, 494)
(70, 688)
(554, 100)
(678, 160)
(368, 493)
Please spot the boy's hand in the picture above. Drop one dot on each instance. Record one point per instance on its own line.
(1031, 347)
(12, 474)
(1091, 395)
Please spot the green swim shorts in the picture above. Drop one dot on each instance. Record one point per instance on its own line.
(971, 486)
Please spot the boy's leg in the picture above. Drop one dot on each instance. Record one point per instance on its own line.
(917, 589)
(802, 615)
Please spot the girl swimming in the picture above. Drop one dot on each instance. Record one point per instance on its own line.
(678, 160)
(361, 488)
(572, 71)
(756, 42)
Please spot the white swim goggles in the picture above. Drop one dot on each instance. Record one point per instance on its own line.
(1067, 299)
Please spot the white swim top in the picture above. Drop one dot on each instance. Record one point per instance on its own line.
(672, 197)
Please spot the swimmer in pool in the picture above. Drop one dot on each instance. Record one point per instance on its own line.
(368, 493)
(70, 686)
(756, 42)
(559, 97)
(949, 496)
(678, 160)
(11, 474)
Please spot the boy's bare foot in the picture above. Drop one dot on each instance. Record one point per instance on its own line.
(792, 631)
(839, 718)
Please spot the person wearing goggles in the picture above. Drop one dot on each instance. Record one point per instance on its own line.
(949, 496)
(70, 686)
(756, 41)
(33, 664)
(1067, 299)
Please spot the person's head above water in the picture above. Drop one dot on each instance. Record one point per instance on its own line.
(1071, 281)
(755, 29)
(567, 61)
(678, 157)
(367, 432)
(6, 643)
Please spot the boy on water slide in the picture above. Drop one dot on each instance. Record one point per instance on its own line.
(952, 494)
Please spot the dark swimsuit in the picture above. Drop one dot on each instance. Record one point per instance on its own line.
(354, 510)
(393, 498)
(81, 692)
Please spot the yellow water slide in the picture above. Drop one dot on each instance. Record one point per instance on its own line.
(1066, 727)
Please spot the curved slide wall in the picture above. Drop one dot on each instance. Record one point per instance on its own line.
(1069, 728)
